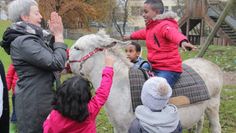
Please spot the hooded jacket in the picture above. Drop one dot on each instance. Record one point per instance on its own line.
(162, 40)
(36, 60)
(165, 121)
(141, 63)
(57, 123)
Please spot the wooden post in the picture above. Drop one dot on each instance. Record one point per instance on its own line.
(201, 30)
(215, 29)
(187, 28)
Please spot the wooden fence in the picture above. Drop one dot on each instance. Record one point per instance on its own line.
(197, 40)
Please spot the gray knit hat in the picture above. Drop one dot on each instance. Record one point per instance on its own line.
(156, 93)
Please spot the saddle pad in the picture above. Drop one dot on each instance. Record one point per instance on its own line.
(190, 84)
(137, 77)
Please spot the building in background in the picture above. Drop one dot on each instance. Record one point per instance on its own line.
(3, 10)
(135, 9)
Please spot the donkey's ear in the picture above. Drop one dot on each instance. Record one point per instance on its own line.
(102, 33)
(117, 43)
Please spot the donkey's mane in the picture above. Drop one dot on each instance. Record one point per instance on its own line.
(102, 33)
(120, 54)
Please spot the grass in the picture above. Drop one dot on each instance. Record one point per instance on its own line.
(228, 110)
(225, 57)
(4, 24)
(4, 57)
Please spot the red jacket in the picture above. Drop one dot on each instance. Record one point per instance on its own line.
(162, 40)
(56, 123)
(11, 78)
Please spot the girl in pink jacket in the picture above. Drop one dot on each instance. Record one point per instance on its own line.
(75, 109)
(162, 40)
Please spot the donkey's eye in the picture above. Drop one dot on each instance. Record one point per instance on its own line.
(77, 48)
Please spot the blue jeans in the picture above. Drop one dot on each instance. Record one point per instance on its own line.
(170, 76)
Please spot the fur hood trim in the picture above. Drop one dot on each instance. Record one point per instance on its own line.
(166, 15)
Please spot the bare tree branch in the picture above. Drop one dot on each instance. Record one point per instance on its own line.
(124, 18)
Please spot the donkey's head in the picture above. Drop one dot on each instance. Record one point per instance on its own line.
(87, 53)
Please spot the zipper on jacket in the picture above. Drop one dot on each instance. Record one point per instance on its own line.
(156, 40)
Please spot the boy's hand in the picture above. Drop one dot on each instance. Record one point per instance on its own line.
(109, 59)
(188, 46)
(126, 37)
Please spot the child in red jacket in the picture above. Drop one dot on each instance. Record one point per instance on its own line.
(75, 109)
(162, 40)
(11, 79)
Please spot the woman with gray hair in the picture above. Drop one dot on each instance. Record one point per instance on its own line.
(38, 56)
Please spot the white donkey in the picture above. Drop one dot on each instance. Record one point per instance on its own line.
(87, 58)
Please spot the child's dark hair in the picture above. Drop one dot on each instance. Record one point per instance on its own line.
(137, 46)
(72, 98)
(157, 5)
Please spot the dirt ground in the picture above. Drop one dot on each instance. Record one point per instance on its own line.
(229, 78)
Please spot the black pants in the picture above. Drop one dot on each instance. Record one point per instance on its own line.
(4, 120)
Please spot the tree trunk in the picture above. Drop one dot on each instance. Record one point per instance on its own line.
(215, 29)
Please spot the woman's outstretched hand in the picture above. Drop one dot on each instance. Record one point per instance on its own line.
(56, 27)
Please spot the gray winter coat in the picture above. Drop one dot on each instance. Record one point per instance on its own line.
(36, 65)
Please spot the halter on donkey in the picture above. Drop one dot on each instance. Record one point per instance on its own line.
(119, 106)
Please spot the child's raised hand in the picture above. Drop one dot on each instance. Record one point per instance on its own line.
(126, 37)
(188, 46)
(109, 59)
